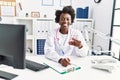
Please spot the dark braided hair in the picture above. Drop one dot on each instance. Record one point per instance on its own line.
(66, 9)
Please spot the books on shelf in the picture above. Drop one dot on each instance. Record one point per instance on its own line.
(40, 46)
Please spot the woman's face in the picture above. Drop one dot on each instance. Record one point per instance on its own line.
(65, 20)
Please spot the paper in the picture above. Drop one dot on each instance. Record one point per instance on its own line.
(7, 10)
(60, 69)
(65, 2)
(48, 2)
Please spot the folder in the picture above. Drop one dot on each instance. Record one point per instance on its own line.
(85, 12)
(60, 69)
(82, 12)
(79, 12)
(40, 46)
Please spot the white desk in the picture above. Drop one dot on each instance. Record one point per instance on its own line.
(85, 73)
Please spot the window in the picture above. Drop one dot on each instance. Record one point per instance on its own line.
(115, 32)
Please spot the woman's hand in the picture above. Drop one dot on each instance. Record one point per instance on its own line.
(64, 62)
(76, 43)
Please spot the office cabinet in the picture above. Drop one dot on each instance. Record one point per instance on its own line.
(42, 27)
(28, 22)
(36, 32)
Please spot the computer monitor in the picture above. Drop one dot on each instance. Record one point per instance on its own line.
(12, 45)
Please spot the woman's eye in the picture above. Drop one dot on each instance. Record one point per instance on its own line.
(68, 19)
(62, 19)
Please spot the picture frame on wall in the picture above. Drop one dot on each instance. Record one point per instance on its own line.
(8, 8)
(65, 2)
(47, 2)
(35, 14)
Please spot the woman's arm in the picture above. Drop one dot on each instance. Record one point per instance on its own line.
(81, 47)
(49, 48)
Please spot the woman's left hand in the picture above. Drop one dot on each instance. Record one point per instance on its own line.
(76, 43)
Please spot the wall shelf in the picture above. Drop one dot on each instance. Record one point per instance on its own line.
(36, 28)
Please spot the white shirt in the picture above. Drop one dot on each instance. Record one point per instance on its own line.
(57, 43)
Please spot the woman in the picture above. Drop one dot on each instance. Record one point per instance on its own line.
(65, 41)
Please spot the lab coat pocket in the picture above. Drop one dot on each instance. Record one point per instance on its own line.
(68, 50)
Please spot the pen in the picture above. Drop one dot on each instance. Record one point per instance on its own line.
(68, 61)
(63, 52)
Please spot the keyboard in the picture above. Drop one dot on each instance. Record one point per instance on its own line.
(35, 66)
(7, 75)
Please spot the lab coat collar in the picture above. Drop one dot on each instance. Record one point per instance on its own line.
(68, 37)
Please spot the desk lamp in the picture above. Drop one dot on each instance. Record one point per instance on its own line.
(104, 36)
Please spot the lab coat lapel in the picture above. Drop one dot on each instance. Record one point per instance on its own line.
(68, 38)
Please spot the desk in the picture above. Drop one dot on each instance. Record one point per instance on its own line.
(85, 73)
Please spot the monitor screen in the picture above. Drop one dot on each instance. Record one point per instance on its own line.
(12, 45)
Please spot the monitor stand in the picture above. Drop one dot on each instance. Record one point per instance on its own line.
(7, 76)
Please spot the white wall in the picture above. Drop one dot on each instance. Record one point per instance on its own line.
(49, 10)
(101, 13)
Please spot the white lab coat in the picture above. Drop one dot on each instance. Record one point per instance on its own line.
(55, 45)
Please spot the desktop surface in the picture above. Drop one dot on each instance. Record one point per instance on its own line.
(85, 73)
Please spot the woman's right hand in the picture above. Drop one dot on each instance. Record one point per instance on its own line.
(76, 43)
(64, 62)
